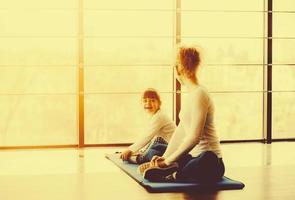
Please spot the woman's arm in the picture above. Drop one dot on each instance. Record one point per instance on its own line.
(175, 140)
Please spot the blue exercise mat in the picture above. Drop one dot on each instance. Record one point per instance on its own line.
(130, 169)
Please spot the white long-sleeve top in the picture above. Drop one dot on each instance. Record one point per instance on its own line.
(160, 125)
(196, 131)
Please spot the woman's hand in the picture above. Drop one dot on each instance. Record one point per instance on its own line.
(158, 161)
(125, 155)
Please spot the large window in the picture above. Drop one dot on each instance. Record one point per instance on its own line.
(38, 58)
(231, 35)
(128, 48)
(283, 69)
(108, 52)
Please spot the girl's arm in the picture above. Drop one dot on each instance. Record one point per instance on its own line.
(154, 127)
(199, 109)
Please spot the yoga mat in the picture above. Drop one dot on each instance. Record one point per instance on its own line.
(130, 169)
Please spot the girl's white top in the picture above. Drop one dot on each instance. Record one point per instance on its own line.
(160, 125)
(196, 131)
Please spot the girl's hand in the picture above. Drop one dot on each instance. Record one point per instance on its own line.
(158, 161)
(125, 155)
(155, 158)
(161, 163)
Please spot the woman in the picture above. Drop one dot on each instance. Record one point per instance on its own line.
(193, 152)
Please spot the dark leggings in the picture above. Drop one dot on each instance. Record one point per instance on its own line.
(206, 167)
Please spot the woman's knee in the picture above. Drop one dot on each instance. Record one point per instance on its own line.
(209, 155)
(210, 158)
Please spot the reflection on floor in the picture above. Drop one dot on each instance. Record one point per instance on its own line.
(70, 174)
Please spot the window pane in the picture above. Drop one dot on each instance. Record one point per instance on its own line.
(222, 5)
(129, 4)
(283, 5)
(128, 51)
(221, 24)
(39, 4)
(37, 120)
(129, 23)
(283, 24)
(20, 79)
(229, 51)
(283, 103)
(41, 23)
(38, 51)
(283, 78)
(283, 51)
(232, 78)
(128, 79)
(283, 110)
(117, 118)
(238, 116)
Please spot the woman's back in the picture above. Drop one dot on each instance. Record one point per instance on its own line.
(208, 139)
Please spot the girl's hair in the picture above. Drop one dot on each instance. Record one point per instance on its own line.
(151, 93)
(189, 58)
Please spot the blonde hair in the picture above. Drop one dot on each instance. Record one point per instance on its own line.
(189, 59)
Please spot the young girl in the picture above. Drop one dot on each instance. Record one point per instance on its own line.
(193, 152)
(158, 134)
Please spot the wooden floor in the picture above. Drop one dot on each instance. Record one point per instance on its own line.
(268, 172)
